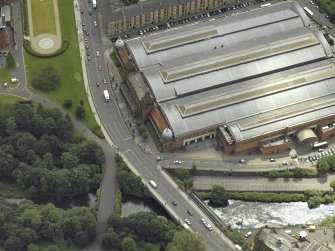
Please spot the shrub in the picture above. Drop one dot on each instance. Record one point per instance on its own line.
(68, 104)
(10, 60)
(141, 129)
(80, 112)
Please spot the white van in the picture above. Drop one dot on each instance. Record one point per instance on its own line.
(106, 95)
(14, 80)
(186, 226)
(153, 183)
(248, 234)
(238, 247)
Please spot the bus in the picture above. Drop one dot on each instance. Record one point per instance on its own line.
(94, 3)
(318, 145)
(308, 11)
(265, 5)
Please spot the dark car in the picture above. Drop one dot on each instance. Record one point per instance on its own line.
(98, 83)
(174, 203)
(89, 58)
(88, 53)
(87, 33)
(189, 212)
(82, 11)
(294, 156)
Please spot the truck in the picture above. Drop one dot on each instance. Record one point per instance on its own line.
(94, 3)
(153, 183)
(106, 95)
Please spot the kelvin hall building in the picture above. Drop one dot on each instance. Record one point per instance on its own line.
(251, 80)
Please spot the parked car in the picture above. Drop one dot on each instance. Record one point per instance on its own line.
(98, 83)
(176, 162)
(99, 67)
(104, 81)
(174, 203)
(95, 23)
(272, 160)
(188, 221)
(98, 53)
(189, 212)
(159, 158)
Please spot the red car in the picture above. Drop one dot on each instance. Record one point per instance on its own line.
(98, 84)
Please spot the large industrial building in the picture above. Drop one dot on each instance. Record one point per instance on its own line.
(250, 80)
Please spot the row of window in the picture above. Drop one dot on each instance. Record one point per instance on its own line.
(163, 15)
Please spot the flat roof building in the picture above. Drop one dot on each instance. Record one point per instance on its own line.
(247, 79)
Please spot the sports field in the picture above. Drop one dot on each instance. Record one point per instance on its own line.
(43, 17)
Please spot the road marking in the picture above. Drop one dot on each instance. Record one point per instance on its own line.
(126, 151)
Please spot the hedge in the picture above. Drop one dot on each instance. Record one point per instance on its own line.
(27, 47)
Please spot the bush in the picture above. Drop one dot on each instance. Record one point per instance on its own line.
(68, 104)
(141, 129)
(80, 112)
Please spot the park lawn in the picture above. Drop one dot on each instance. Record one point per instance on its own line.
(43, 17)
(68, 66)
(4, 75)
(6, 101)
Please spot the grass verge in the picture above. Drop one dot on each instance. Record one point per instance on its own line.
(68, 66)
(6, 102)
(4, 75)
(47, 23)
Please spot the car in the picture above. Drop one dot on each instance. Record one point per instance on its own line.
(99, 68)
(325, 230)
(189, 212)
(272, 160)
(174, 203)
(242, 161)
(141, 32)
(248, 234)
(83, 23)
(159, 158)
(284, 163)
(311, 2)
(209, 226)
(89, 58)
(90, 11)
(88, 53)
(87, 47)
(313, 158)
(333, 150)
(98, 53)
(294, 156)
(326, 16)
(316, 7)
(82, 11)
(310, 158)
(87, 34)
(84, 29)
(176, 162)
(86, 41)
(203, 220)
(98, 83)
(187, 221)
(95, 23)
(321, 11)
(104, 81)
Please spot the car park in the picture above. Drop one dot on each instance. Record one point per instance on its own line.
(187, 221)
(177, 162)
(174, 203)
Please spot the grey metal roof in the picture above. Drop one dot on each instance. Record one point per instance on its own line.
(262, 70)
(230, 31)
(271, 111)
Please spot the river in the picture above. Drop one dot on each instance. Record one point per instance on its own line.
(240, 214)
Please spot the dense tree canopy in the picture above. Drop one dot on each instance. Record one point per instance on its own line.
(186, 241)
(218, 196)
(27, 223)
(39, 150)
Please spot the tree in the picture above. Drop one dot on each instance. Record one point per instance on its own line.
(332, 184)
(218, 196)
(10, 60)
(323, 166)
(47, 80)
(182, 173)
(68, 104)
(128, 244)
(130, 183)
(186, 241)
(111, 239)
(13, 243)
(68, 160)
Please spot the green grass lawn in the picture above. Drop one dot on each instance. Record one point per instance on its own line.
(43, 17)
(6, 101)
(4, 75)
(68, 66)
(329, 5)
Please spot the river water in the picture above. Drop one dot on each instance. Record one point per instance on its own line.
(240, 214)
